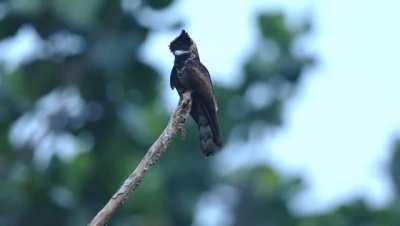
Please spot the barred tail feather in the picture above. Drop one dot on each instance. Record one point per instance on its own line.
(210, 141)
(207, 141)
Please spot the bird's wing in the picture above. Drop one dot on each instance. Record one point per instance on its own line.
(207, 74)
(199, 82)
(173, 79)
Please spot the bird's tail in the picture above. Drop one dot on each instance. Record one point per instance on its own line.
(210, 140)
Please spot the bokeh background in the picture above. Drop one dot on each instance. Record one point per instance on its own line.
(307, 92)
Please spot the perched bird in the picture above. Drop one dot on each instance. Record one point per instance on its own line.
(189, 74)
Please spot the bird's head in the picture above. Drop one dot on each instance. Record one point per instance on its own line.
(183, 46)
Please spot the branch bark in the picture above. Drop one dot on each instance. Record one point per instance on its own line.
(175, 126)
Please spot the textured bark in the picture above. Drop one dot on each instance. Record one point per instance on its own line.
(175, 126)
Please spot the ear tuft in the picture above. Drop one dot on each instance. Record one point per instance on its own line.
(182, 42)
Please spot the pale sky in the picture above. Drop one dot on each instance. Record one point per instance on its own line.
(341, 124)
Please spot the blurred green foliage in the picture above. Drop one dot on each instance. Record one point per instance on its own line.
(105, 100)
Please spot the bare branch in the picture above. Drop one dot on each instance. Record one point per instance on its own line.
(175, 126)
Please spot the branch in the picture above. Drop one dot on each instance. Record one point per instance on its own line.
(175, 126)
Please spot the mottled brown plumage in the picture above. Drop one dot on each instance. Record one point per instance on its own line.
(189, 74)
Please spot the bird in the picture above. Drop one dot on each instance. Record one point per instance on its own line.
(188, 74)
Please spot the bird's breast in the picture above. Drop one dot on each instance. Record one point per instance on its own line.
(182, 78)
(180, 72)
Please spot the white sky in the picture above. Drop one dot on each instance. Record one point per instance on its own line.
(340, 126)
